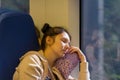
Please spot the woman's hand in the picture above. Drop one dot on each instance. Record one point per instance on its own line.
(73, 49)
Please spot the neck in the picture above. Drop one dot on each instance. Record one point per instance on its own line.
(50, 57)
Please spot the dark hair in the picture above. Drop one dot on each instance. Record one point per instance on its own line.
(51, 31)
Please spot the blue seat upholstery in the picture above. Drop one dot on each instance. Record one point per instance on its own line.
(17, 36)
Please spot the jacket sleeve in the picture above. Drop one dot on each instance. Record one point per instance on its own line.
(84, 72)
(30, 68)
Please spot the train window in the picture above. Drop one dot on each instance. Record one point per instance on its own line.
(100, 37)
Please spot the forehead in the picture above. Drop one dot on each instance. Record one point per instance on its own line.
(64, 35)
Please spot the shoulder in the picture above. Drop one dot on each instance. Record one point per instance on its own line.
(33, 57)
(30, 63)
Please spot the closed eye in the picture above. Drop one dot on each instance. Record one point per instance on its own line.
(65, 41)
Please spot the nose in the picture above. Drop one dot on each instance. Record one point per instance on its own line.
(67, 46)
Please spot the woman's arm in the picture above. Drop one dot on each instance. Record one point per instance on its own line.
(84, 72)
(30, 68)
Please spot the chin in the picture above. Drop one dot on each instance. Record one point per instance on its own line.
(61, 55)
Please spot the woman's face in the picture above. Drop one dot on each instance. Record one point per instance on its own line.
(61, 44)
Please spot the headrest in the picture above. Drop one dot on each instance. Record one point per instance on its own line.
(17, 36)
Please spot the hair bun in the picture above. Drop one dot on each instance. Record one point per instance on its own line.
(45, 28)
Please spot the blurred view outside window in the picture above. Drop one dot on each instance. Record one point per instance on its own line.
(100, 23)
(19, 5)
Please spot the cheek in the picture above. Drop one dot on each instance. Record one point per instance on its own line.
(63, 45)
(58, 45)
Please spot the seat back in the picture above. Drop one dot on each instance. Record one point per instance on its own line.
(17, 36)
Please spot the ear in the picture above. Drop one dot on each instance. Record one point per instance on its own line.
(49, 40)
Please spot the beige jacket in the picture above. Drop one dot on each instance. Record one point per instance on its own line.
(34, 66)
